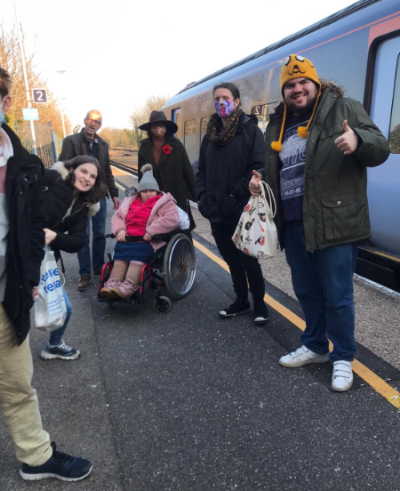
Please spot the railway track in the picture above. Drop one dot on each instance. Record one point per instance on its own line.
(132, 169)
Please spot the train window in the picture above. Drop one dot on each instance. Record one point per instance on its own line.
(394, 132)
(203, 127)
(178, 122)
(176, 118)
(263, 113)
(191, 139)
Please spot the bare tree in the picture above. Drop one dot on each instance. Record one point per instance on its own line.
(10, 59)
(118, 138)
(141, 115)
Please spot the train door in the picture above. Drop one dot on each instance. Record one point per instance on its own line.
(176, 118)
(384, 180)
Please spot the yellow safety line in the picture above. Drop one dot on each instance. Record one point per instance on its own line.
(120, 187)
(377, 383)
(372, 251)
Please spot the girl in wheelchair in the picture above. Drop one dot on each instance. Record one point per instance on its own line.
(148, 213)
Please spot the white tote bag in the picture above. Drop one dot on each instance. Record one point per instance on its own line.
(256, 233)
(49, 308)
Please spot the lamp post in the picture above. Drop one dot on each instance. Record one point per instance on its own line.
(61, 72)
(28, 94)
(62, 118)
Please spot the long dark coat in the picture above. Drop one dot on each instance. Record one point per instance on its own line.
(224, 172)
(25, 240)
(173, 173)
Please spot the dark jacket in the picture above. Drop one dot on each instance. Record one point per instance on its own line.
(224, 172)
(335, 205)
(75, 145)
(25, 240)
(173, 173)
(58, 197)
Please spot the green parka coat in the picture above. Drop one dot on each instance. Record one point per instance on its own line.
(335, 205)
(173, 173)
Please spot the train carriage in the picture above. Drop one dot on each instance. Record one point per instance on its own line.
(358, 48)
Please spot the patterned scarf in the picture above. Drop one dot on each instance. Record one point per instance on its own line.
(228, 132)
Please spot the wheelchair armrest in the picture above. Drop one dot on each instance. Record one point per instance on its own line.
(128, 238)
(139, 238)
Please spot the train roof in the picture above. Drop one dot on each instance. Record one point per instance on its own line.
(293, 37)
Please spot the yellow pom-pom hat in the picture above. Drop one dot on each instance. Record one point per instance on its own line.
(296, 66)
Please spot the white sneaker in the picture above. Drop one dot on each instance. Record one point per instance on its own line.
(302, 356)
(342, 375)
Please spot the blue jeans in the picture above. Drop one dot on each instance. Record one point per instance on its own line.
(56, 336)
(323, 283)
(99, 242)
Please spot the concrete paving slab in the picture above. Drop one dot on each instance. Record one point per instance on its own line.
(185, 401)
(73, 403)
(202, 404)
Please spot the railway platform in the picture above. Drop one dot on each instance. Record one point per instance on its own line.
(186, 401)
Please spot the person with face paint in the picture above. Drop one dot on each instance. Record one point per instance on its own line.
(231, 148)
(22, 239)
(171, 165)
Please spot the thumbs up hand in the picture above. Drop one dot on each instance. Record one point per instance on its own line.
(346, 126)
(254, 185)
(347, 142)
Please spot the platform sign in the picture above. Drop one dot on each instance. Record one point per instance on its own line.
(31, 114)
(39, 96)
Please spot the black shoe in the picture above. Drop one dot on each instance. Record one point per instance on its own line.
(60, 466)
(260, 313)
(239, 306)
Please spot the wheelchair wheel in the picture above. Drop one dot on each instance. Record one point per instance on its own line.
(179, 266)
(162, 305)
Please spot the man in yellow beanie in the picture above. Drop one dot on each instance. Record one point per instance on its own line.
(318, 147)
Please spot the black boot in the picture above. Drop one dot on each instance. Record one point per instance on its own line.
(239, 306)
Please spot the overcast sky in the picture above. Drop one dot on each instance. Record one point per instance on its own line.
(116, 53)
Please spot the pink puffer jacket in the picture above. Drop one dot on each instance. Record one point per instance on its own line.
(164, 217)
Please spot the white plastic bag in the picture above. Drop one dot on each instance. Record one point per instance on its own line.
(184, 220)
(49, 308)
(256, 233)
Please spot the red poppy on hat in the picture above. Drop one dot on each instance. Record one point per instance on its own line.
(167, 149)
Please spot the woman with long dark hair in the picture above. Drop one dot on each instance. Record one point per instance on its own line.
(232, 147)
(72, 191)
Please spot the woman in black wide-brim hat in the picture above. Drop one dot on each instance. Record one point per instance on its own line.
(171, 165)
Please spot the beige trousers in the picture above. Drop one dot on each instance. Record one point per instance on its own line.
(18, 400)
